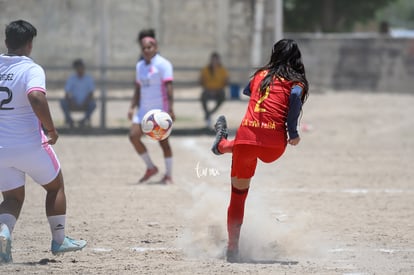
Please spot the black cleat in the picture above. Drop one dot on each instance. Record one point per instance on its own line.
(232, 256)
(221, 132)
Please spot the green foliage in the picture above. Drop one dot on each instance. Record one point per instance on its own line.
(400, 14)
(329, 15)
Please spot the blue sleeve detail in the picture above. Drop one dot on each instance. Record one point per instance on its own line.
(246, 90)
(295, 106)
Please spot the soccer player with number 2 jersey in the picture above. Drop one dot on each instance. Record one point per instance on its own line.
(277, 92)
(24, 148)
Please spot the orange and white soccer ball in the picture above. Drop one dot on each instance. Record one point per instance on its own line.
(157, 124)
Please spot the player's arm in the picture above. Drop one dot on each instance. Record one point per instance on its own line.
(246, 90)
(40, 107)
(295, 106)
(170, 96)
(134, 101)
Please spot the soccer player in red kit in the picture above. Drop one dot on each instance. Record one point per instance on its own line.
(277, 92)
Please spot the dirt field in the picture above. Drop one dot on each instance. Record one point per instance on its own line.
(340, 203)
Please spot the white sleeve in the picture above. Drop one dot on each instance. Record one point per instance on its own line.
(36, 79)
(167, 72)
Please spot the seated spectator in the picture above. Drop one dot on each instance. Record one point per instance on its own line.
(213, 79)
(78, 95)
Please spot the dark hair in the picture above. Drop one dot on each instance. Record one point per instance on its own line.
(78, 63)
(210, 64)
(215, 55)
(19, 33)
(285, 63)
(145, 33)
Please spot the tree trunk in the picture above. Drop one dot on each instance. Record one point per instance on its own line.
(328, 15)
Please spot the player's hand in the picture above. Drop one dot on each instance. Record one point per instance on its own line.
(131, 112)
(52, 136)
(294, 141)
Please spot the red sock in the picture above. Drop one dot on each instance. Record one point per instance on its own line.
(235, 215)
(225, 146)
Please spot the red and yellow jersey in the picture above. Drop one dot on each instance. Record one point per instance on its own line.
(264, 123)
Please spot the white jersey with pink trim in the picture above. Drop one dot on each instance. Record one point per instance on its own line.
(152, 78)
(19, 126)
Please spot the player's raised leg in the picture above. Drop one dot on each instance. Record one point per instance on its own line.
(135, 136)
(56, 215)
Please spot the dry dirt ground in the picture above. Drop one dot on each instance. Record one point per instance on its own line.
(339, 203)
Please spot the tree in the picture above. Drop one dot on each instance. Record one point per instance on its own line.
(400, 14)
(329, 15)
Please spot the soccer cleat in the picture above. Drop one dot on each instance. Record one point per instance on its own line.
(68, 245)
(221, 132)
(149, 173)
(5, 244)
(167, 180)
(232, 256)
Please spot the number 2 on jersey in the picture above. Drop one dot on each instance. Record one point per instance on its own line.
(257, 107)
(6, 100)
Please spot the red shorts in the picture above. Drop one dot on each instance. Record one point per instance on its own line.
(245, 157)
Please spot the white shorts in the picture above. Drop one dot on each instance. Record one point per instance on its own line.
(39, 162)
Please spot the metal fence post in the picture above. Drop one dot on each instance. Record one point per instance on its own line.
(103, 61)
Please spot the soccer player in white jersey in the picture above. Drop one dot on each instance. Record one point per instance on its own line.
(24, 148)
(153, 90)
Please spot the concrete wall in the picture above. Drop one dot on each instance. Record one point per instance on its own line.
(371, 64)
(188, 31)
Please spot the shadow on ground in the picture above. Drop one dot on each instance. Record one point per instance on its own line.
(44, 261)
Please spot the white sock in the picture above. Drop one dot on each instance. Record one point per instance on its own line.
(168, 166)
(57, 227)
(146, 158)
(9, 220)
